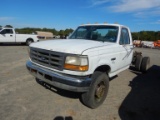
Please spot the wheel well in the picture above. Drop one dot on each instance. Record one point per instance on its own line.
(103, 68)
(29, 39)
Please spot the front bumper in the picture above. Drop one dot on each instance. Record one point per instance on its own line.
(59, 80)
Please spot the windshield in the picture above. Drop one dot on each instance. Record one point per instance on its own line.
(0, 29)
(97, 33)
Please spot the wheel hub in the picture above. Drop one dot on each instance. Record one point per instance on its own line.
(100, 90)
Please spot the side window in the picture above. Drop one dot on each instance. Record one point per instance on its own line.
(9, 31)
(124, 39)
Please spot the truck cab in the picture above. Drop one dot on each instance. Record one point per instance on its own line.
(7, 35)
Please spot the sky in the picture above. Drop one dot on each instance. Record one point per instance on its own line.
(61, 14)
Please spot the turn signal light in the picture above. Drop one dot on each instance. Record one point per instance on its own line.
(76, 67)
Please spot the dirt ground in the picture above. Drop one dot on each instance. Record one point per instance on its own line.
(132, 95)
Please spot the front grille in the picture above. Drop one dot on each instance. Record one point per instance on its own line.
(47, 58)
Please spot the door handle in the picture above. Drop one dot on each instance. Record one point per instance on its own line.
(113, 59)
(11, 35)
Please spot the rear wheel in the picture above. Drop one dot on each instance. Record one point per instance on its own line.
(29, 41)
(97, 91)
(138, 62)
(145, 64)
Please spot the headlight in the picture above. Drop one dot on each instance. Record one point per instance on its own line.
(76, 63)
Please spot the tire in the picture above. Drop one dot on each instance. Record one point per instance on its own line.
(145, 64)
(29, 41)
(138, 62)
(98, 90)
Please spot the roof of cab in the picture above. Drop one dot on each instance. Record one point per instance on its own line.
(105, 24)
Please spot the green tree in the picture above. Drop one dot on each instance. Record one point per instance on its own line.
(68, 31)
(146, 35)
(61, 32)
(135, 35)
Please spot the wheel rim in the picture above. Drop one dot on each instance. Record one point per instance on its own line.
(29, 42)
(100, 90)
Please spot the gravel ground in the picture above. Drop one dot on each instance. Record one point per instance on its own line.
(132, 95)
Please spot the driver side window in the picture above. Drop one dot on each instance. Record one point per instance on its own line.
(7, 31)
(124, 39)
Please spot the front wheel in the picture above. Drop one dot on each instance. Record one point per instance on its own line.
(98, 90)
(29, 41)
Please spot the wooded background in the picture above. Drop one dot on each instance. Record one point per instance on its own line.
(139, 35)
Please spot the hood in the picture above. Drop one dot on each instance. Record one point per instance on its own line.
(73, 46)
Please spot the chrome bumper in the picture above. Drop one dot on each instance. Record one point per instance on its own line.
(59, 80)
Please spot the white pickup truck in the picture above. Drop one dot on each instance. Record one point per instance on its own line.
(8, 35)
(86, 60)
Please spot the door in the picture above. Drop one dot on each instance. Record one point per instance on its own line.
(126, 48)
(7, 35)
